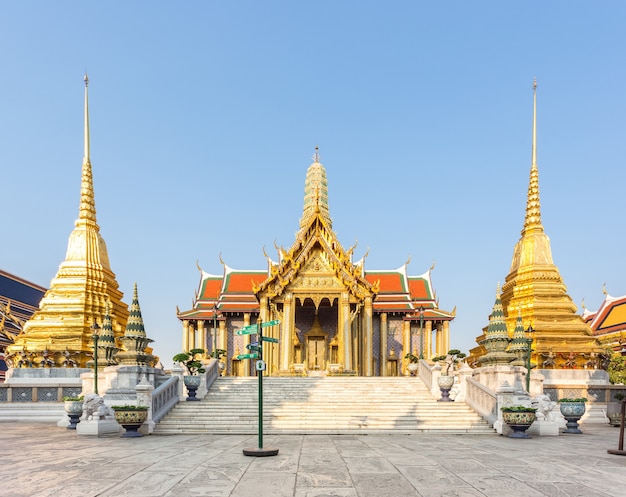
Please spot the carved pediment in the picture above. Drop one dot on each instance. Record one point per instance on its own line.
(317, 264)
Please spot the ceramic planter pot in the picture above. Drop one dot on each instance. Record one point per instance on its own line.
(572, 411)
(74, 409)
(192, 383)
(519, 421)
(445, 384)
(131, 420)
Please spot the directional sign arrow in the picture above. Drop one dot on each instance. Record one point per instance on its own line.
(271, 323)
(254, 348)
(248, 356)
(269, 339)
(246, 331)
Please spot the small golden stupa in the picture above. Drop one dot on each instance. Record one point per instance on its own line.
(60, 333)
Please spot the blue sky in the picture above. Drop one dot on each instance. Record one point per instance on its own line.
(205, 115)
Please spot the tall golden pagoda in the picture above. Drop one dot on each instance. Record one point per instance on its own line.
(60, 332)
(535, 290)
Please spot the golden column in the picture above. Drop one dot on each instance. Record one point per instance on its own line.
(201, 335)
(383, 344)
(344, 322)
(192, 335)
(406, 340)
(438, 341)
(368, 340)
(185, 335)
(222, 336)
(286, 346)
(428, 340)
(446, 336)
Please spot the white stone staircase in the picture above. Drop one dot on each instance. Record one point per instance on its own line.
(315, 405)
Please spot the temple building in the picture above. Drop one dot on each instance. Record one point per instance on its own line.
(59, 333)
(535, 291)
(608, 323)
(19, 299)
(336, 316)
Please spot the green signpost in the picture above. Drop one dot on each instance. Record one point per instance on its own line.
(256, 349)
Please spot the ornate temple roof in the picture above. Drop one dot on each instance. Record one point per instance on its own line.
(19, 299)
(315, 253)
(609, 318)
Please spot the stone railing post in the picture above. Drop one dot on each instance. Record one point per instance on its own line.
(505, 396)
(463, 374)
(144, 398)
(434, 386)
(177, 370)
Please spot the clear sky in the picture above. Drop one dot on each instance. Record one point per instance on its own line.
(205, 115)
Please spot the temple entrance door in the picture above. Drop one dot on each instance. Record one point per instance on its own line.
(316, 352)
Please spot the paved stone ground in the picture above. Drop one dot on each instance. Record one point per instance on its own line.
(42, 460)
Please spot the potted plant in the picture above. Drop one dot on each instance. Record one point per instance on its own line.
(572, 409)
(413, 365)
(194, 367)
(519, 418)
(446, 380)
(218, 354)
(131, 418)
(74, 409)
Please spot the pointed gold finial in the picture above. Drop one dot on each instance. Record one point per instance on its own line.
(582, 304)
(604, 289)
(534, 150)
(86, 79)
(87, 209)
(316, 155)
(533, 204)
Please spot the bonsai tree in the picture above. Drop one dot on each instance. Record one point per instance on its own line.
(451, 359)
(218, 354)
(411, 357)
(192, 364)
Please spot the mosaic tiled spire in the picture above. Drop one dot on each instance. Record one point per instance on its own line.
(134, 342)
(519, 344)
(134, 325)
(315, 192)
(496, 338)
(106, 341)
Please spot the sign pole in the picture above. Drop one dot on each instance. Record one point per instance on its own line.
(260, 451)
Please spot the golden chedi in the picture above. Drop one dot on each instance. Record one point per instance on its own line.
(78, 294)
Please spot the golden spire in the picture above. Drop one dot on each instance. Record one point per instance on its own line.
(87, 209)
(315, 192)
(533, 204)
(86, 156)
(81, 289)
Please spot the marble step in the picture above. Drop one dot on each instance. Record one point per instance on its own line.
(322, 405)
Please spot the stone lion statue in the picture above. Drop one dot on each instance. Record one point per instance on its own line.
(545, 407)
(94, 408)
